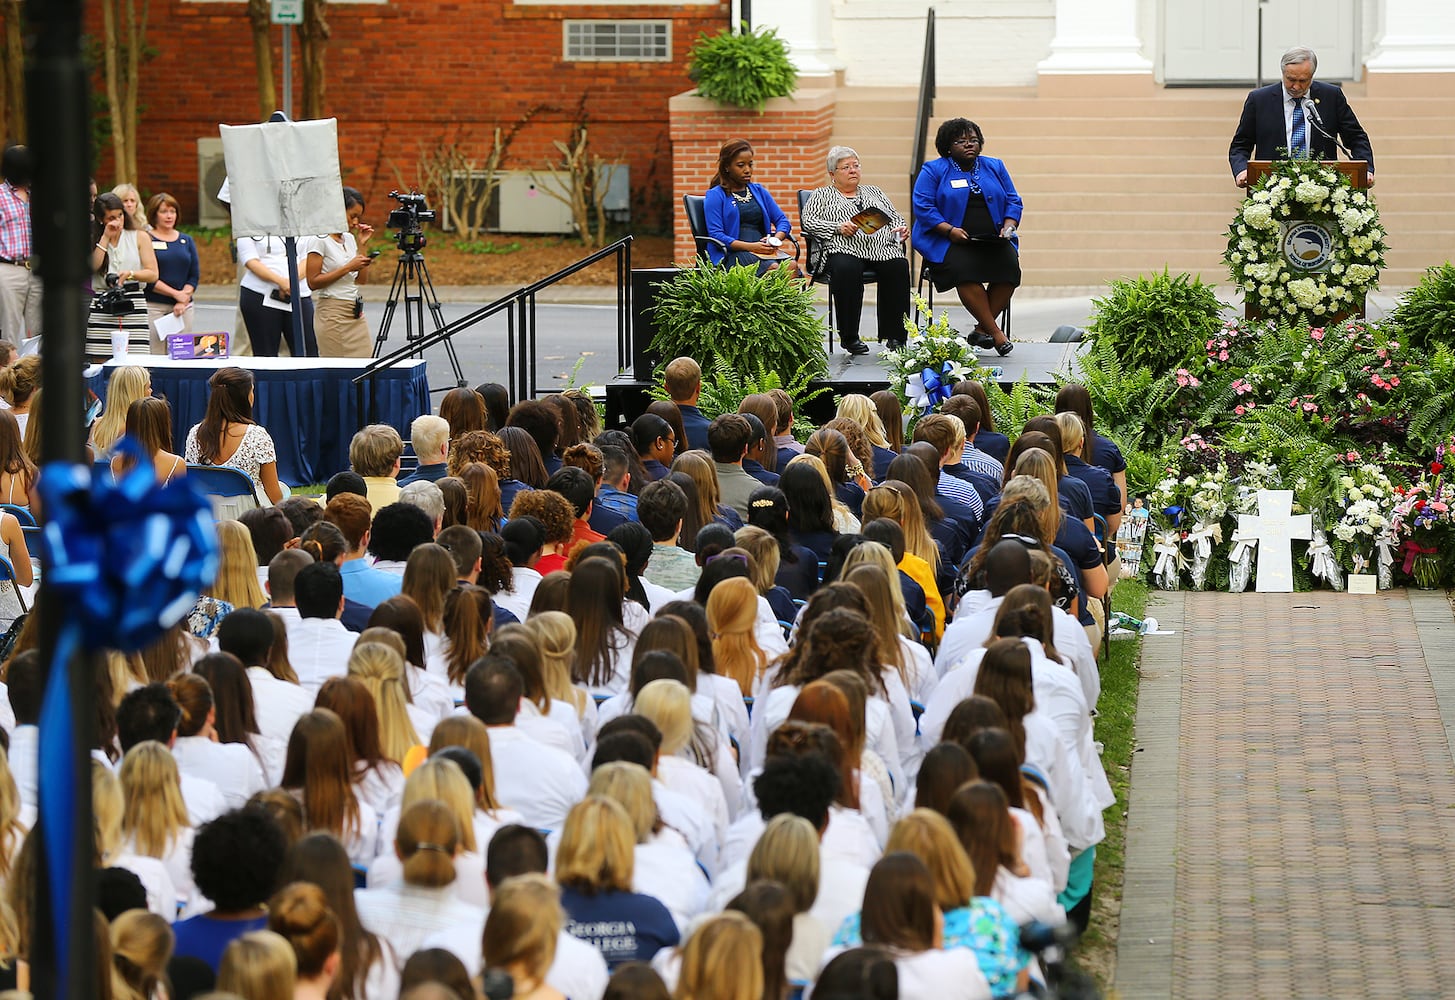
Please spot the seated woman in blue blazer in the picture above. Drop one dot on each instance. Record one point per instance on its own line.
(966, 211)
(744, 216)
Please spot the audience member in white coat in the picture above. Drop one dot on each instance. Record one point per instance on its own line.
(25, 683)
(151, 713)
(981, 818)
(540, 782)
(234, 719)
(424, 903)
(319, 645)
(665, 867)
(319, 774)
(108, 806)
(154, 820)
(378, 778)
(578, 969)
(594, 599)
(278, 701)
(443, 780)
(553, 724)
(668, 704)
(524, 539)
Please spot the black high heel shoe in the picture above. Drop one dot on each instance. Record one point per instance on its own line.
(1004, 349)
(981, 340)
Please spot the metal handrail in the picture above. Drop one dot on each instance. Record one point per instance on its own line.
(925, 107)
(521, 322)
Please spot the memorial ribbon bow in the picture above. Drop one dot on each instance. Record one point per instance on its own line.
(1174, 514)
(1169, 553)
(1242, 546)
(1385, 548)
(1321, 558)
(127, 562)
(1413, 549)
(1204, 536)
(930, 388)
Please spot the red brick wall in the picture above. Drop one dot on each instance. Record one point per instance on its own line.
(411, 72)
(790, 143)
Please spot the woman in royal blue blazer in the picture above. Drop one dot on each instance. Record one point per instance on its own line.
(966, 211)
(743, 215)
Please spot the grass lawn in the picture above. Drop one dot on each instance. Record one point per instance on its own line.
(1114, 730)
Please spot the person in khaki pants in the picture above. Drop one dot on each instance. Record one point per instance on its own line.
(19, 285)
(335, 265)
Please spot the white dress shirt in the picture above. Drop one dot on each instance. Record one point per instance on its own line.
(24, 763)
(278, 706)
(405, 915)
(973, 624)
(666, 870)
(578, 971)
(204, 800)
(539, 782)
(469, 884)
(232, 767)
(687, 779)
(946, 974)
(319, 648)
(524, 582)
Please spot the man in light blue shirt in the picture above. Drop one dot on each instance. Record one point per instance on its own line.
(351, 514)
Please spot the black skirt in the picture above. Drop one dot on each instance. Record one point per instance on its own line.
(986, 259)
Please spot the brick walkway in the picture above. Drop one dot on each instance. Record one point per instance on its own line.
(1292, 819)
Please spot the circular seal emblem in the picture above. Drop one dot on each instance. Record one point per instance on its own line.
(1307, 246)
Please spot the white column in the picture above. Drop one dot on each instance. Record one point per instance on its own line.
(1419, 37)
(808, 28)
(1096, 36)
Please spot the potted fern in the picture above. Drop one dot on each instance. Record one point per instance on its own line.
(730, 318)
(743, 69)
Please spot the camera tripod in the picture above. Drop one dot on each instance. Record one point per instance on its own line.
(411, 281)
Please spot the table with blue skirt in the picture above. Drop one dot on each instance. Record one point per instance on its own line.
(309, 406)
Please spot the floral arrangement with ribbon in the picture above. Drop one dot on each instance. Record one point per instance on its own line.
(934, 357)
(1340, 276)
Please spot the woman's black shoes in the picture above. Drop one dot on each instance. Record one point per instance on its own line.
(1004, 349)
(857, 347)
(981, 340)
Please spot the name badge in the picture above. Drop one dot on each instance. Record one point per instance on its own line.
(159, 244)
(959, 182)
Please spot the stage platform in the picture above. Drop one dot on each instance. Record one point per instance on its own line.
(1038, 362)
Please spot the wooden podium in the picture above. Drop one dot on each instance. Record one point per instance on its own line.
(1358, 173)
(1356, 170)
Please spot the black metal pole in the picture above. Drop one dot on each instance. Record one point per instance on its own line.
(55, 80)
(1261, 4)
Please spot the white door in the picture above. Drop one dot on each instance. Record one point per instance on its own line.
(1216, 41)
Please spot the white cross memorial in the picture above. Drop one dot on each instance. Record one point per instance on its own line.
(1275, 526)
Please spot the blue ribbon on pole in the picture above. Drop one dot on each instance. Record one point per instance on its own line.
(1174, 514)
(127, 560)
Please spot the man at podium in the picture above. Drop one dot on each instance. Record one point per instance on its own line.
(1297, 117)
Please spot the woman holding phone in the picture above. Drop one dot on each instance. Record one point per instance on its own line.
(335, 266)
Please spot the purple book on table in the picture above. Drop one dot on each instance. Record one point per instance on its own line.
(191, 346)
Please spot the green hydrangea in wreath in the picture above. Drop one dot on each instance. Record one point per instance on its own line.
(1305, 246)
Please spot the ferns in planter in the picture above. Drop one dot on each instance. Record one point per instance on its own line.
(730, 316)
(744, 69)
(1426, 313)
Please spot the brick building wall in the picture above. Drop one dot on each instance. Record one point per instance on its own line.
(790, 144)
(404, 75)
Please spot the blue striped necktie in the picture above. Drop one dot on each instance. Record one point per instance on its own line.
(1298, 135)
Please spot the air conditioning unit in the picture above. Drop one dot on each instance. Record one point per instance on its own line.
(211, 172)
(523, 206)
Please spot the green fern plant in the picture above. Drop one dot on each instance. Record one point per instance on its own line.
(747, 323)
(1426, 313)
(1024, 401)
(1159, 322)
(744, 69)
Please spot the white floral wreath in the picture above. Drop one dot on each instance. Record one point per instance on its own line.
(1297, 191)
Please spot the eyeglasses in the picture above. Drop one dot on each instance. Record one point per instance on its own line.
(969, 140)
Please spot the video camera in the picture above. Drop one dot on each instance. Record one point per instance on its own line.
(408, 218)
(116, 300)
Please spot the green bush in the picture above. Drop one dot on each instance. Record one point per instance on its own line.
(1426, 313)
(730, 317)
(743, 70)
(1157, 322)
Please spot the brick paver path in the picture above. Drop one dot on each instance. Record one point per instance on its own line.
(1292, 818)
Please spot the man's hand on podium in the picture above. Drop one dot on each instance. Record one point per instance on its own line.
(1242, 179)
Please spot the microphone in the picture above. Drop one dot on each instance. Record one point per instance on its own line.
(1317, 120)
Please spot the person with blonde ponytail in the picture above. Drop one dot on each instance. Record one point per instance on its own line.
(381, 670)
(895, 500)
(521, 934)
(899, 646)
(469, 733)
(378, 780)
(722, 960)
(299, 914)
(440, 779)
(107, 808)
(154, 820)
(232, 767)
(668, 704)
(555, 634)
(237, 568)
(316, 771)
(732, 611)
(407, 913)
(141, 946)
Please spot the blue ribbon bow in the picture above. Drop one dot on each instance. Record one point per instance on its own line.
(127, 561)
(1174, 514)
(937, 384)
